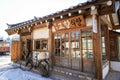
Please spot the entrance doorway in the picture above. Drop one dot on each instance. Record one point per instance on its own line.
(26, 46)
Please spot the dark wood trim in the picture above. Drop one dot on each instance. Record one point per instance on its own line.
(111, 19)
(105, 21)
(81, 55)
(106, 31)
(40, 44)
(118, 12)
(50, 45)
(113, 45)
(107, 43)
(97, 50)
(116, 27)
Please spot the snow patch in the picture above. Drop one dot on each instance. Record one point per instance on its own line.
(18, 74)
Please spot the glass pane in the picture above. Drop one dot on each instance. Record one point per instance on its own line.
(44, 45)
(57, 45)
(37, 44)
(75, 44)
(84, 53)
(72, 36)
(103, 46)
(62, 45)
(77, 35)
(66, 45)
(89, 43)
(90, 54)
(87, 47)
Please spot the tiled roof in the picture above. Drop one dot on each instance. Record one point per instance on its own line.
(22, 23)
(37, 18)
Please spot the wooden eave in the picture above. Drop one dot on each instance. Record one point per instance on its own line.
(10, 31)
(106, 21)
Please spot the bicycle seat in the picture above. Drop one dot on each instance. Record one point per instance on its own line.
(41, 55)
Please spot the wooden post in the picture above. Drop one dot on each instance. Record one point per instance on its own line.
(50, 44)
(97, 44)
(107, 42)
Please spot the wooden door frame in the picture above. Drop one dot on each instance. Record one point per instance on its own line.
(73, 30)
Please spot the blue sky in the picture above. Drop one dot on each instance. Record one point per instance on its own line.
(15, 11)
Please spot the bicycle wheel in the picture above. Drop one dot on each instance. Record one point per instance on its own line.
(44, 69)
(26, 65)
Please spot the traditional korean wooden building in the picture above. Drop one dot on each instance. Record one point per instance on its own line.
(83, 38)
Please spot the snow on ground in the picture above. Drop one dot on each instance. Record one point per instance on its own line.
(5, 59)
(9, 71)
(18, 74)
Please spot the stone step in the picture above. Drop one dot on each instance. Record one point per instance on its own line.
(67, 74)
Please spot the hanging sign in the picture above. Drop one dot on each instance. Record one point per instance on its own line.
(75, 22)
(94, 22)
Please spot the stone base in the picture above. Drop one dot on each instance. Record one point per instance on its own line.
(58, 73)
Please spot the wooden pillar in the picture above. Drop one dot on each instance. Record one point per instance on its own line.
(107, 42)
(50, 44)
(97, 44)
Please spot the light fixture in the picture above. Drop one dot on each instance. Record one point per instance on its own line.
(27, 26)
(109, 3)
(61, 16)
(17, 31)
(80, 11)
(41, 22)
(53, 19)
(46, 21)
(93, 7)
(29, 29)
(36, 23)
(69, 14)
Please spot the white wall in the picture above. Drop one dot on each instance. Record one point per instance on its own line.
(88, 21)
(115, 65)
(105, 71)
(41, 33)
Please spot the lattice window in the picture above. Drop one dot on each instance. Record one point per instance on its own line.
(41, 44)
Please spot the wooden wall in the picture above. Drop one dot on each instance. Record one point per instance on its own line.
(113, 45)
(15, 52)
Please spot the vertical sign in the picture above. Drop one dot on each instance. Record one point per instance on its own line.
(94, 22)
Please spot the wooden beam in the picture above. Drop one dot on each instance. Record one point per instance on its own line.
(111, 19)
(105, 9)
(104, 19)
(116, 27)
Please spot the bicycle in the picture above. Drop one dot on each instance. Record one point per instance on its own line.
(40, 64)
(22, 61)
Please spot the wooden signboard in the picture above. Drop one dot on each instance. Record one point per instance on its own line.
(75, 22)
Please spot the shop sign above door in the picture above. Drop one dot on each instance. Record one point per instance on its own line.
(75, 22)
